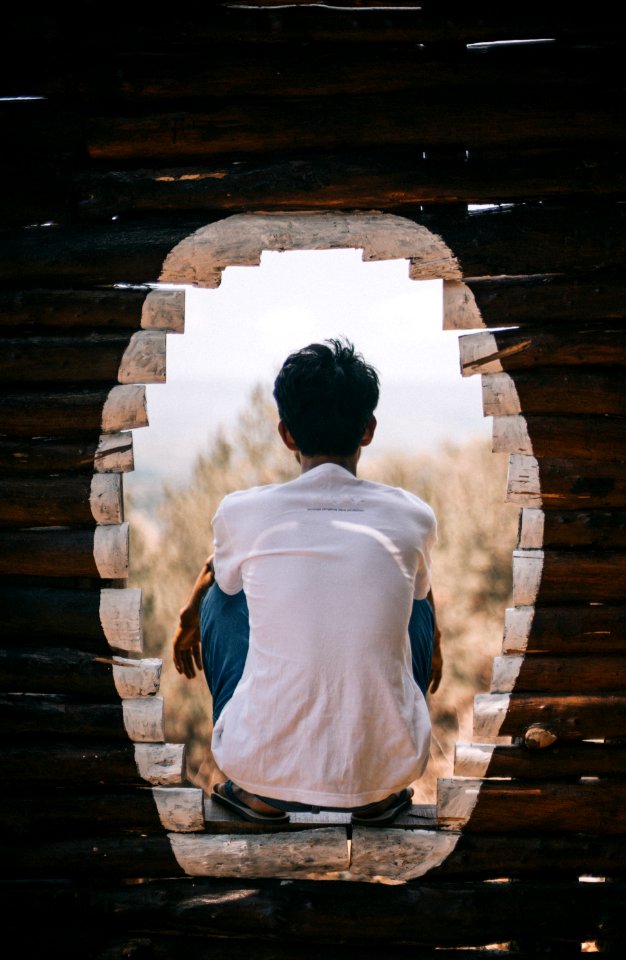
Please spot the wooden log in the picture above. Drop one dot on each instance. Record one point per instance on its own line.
(164, 310)
(584, 759)
(272, 916)
(111, 549)
(95, 621)
(120, 618)
(304, 23)
(541, 300)
(575, 629)
(38, 310)
(570, 717)
(70, 616)
(310, 181)
(108, 254)
(188, 132)
(144, 358)
(124, 408)
(197, 73)
(61, 358)
(398, 855)
(553, 391)
(95, 357)
(565, 484)
(486, 242)
(69, 671)
(306, 853)
(122, 812)
(181, 946)
(137, 678)
(494, 856)
(600, 529)
(552, 576)
(119, 308)
(60, 552)
(61, 716)
(528, 242)
(88, 766)
(61, 501)
(585, 438)
(566, 674)
(64, 413)
(90, 857)
(501, 351)
(112, 453)
(505, 301)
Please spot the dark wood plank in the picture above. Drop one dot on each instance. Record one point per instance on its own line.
(101, 856)
(53, 310)
(533, 347)
(58, 670)
(52, 553)
(570, 717)
(561, 437)
(535, 808)
(554, 390)
(308, 180)
(570, 674)
(63, 359)
(54, 413)
(573, 629)
(495, 857)
(297, 23)
(595, 576)
(28, 615)
(568, 485)
(266, 125)
(598, 529)
(63, 813)
(46, 501)
(266, 912)
(46, 455)
(494, 242)
(543, 301)
(53, 716)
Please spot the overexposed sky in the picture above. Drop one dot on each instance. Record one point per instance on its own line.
(239, 334)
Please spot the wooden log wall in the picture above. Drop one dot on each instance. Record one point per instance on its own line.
(119, 146)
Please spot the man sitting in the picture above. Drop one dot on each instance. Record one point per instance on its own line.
(318, 634)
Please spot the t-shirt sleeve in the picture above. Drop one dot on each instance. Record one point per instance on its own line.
(227, 558)
(423, 574)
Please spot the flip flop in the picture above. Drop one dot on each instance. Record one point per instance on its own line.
(231, 801)
(404, 801)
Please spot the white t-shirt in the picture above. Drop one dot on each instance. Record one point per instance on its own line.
(327, 711)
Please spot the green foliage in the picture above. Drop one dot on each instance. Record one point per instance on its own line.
(465, 486)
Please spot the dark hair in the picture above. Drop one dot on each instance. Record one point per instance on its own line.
(326, 396)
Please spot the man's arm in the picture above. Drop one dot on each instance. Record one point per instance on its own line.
(437, 660)
(186, 643)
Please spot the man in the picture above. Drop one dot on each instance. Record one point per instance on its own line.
(318, 634)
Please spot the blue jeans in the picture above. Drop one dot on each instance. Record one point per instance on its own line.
(225, 630)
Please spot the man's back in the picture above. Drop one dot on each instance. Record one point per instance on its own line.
(327, 711)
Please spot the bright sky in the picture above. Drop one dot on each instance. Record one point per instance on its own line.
(239, 334)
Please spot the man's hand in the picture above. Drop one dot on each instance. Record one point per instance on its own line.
(186, 642)
(437, 663)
